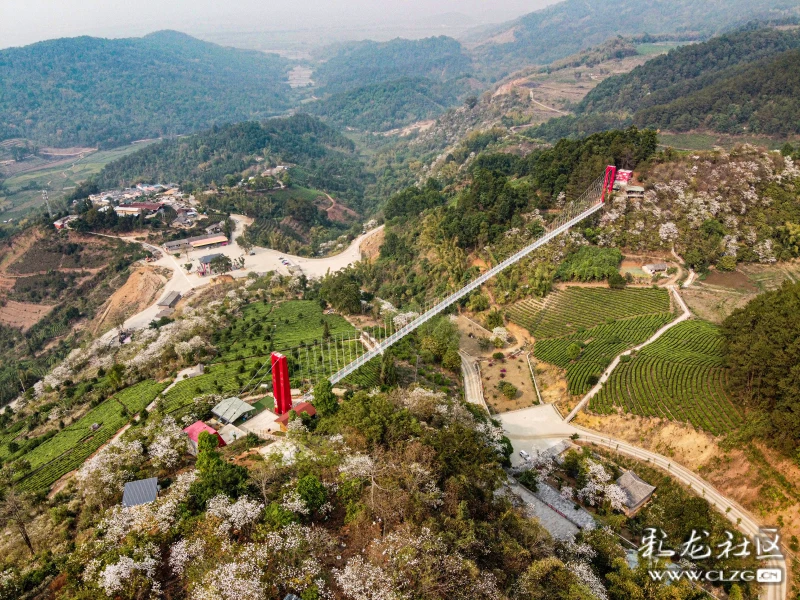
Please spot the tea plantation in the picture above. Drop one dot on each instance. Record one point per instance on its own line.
(70, 447)
(679, 377)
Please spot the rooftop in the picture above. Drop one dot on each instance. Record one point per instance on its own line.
(302, 407)
(230, 409)
(195, 429)
(636, 489)
(139, 492)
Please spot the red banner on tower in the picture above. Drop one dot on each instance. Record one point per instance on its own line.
(280, 384)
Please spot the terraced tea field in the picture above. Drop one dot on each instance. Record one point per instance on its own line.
(599, 347)
(70, 447)
(567, 311)
(266, 327)
(679, 377)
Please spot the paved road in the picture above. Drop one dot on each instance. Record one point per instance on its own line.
(607, 373)
(473, 389)
(264, 260)
(743, 520)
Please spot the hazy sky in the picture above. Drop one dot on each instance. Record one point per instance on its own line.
(26, 21)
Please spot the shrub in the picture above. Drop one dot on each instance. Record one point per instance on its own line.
(498, 356)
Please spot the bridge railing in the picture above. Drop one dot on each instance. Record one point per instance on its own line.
(586, 205)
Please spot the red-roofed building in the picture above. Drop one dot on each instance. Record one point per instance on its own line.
(302, 407)
(151, 206)
(193, 432)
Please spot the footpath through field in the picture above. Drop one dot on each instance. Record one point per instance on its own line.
(607, 373)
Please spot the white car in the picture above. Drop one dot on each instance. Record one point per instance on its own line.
(524, 455)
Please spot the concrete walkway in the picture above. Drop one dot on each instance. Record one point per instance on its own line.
(473, 388)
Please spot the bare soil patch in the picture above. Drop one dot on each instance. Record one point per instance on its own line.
(371, 246)
(23, 315)
(713, 305)
(730, 279)
(552, 382)
(138, 292)
(514, 371)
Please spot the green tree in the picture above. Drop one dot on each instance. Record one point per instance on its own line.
(573, 351)
(312, 492)
(221, 264)
(388, 375)
(324, 399)
(342, 291)
(215, 475)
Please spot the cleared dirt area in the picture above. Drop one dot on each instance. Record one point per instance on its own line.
(552, 382)
(22, 315)
(139, 291)
(514, 371)
(730, 279)
(762, 481)
(718, 294)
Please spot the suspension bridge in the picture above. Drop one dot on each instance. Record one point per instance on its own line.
(587, 204)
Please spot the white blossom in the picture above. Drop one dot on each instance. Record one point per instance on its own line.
(361, 580)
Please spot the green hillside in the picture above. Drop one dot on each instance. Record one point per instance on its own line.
(567, 27)
(386, 105)
(364, 63)
(687, 69)
(326, 159)
(763, 98)
(101, 92)
(743, 82)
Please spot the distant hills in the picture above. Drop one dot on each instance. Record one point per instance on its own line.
(567, 27)
(325, 159)
(364, 63)
(378, 86)
(747, 81)
(100, 92)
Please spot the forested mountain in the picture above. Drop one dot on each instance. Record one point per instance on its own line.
(564, 28)
(745, 81)
(386, 105)
(364, 63)
(686, 69)
(101, 92)
(326, 158)
(763, 97)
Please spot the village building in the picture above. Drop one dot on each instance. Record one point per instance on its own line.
(139, 492)
(170, 300)
(231, 410)
(637, 492)
(124, 210)
(301, 408)
(193, 432)
(654, 268)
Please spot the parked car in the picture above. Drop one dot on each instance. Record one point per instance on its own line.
(524, 455)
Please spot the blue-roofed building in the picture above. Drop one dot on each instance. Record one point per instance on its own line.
(139, 492)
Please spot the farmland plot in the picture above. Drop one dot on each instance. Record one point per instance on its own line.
(574, 308)
(679, 377)
(70, 447)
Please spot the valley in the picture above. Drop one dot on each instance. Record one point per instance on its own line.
(509, 312)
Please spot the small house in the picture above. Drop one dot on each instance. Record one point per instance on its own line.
(139, 492)
(301, 408)
(655, 268)
(231, 410)
(193, 432)
(635, 191)
(177, 246)
(170, 300)
(637, 492)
